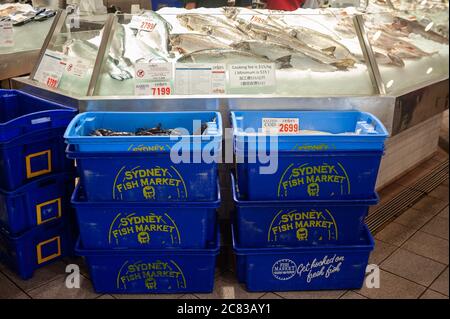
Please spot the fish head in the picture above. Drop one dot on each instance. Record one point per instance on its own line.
(184, 20)
(230, 12)
(175, 40)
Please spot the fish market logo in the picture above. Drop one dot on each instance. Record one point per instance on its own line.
(143, 228)
(303, 226)
(152, 276)
(146, 148)
(284, 269)
(314, 180)
(149, 184)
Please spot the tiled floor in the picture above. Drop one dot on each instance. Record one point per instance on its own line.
(412, 252)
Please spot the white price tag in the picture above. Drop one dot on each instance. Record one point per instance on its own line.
(143, 23)
(6, 34)
(200, 79)
(51, 68)
(252, 75)
(280, 126)
(153, 88)
(77, 66)
(153, 71)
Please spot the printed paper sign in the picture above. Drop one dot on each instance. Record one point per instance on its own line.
(200, 79)
(153, 71)
(77, 66)
(6, 34)
(51, 69)
(153, 88)
(252, 75)
(143, 23)
(280, 125)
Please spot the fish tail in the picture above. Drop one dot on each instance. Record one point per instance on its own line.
(284, 62)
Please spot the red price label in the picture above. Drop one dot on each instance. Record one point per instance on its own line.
(288, 128)
(147, 25)
(52, 82)
(161, 91)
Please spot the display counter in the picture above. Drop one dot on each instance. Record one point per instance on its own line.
(379, 61)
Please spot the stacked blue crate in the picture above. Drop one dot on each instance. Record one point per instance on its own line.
(147, 221)
(36, 182)
(301, 226)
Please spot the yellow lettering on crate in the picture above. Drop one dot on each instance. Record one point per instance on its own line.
(311, 226)
(150, 182)
(142, 227)
(151, 275)
(312, 179)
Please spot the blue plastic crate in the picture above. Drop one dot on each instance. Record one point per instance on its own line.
(262, 224)
(343, 165)
(36, 203)
(306, 268)
(140, 168)
(152, 271)
(37, 247)
(31, 138)
(79, 130)
(140, 225)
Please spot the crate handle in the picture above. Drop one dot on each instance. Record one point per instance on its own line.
(41, 120)
(80, 124)
(364, 127)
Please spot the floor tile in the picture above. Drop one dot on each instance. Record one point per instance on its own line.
(430, 294)
(416, 268)
(270, 295)
(430, 246)
(325, 294)
(57, 290)
(441, 284)
(419, 172)
(352, 295)
(381, 251)
(430, 205)
(438, 227)
(10, 291)
(390, 191)
(444, 213)
(40, 277)
(413, 218)
(393, 287)
(226, 290)
(395, 234)
(440, 192)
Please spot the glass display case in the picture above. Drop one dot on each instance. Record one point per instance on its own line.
(240, 51)
(68, 61)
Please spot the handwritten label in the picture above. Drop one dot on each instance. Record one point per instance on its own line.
(143, 23)
(252, 75)
(202, 79)
(280, 126)
(6, 34)
(51, 69)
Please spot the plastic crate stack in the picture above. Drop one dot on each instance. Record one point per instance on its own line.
(36, 182)
(147, 221)
(301, 225)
